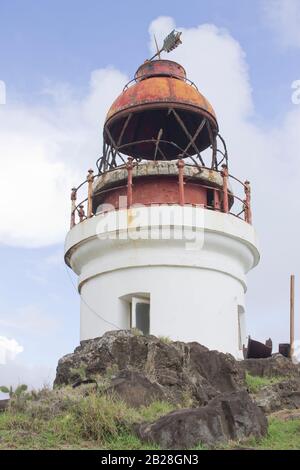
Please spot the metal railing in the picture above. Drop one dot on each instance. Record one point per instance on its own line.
(137, 79)
(223, 200)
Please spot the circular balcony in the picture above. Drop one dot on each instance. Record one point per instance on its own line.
(161, 182)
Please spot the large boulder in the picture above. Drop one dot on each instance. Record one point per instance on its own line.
(229, 416)
(180, 369)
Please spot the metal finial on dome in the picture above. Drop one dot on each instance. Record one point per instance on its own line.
(170, 43)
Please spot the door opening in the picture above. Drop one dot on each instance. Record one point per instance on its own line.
(140, 314)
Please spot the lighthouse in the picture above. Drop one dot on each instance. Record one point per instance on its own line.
(161, 235)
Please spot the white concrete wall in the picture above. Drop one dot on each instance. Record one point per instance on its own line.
(195, 290)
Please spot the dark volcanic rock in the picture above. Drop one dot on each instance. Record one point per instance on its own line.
(218, 369)
(147, 368)
(229, 416)
(135, 389)
(276, 365)
(279, 396)
(178, 368)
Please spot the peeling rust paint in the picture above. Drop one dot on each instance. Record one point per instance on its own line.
(161, 90)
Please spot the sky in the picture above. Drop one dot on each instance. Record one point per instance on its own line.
(62, 63)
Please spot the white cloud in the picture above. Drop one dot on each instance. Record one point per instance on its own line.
(283, 16)
(215, 62)
(44, 151)
(9, 349)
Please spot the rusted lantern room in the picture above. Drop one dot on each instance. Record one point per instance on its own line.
(162, 116)
(161, 145)
(158, 129)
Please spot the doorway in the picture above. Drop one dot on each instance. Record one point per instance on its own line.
(140, 314)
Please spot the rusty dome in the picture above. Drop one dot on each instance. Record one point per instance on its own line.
(161, 106)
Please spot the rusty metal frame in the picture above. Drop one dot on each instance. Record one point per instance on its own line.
(184, 128)
(112, 151)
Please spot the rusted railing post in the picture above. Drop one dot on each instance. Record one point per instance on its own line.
(90, 179)
(224, 174)
(247, 202)
(129, 167)
(81, 213)
(180, 166)
(73, 207)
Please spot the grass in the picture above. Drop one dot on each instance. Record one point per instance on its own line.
(256, 383)
(67, 419)
(155, 411)
(128, 441)
(19, 431)
(86, 419)
(282, 435)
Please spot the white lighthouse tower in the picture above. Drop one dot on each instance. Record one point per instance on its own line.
(163, 240)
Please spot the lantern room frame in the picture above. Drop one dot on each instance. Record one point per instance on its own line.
(113, 157)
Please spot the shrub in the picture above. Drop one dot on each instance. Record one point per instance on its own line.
(46, 403)
(18, 397)
(20, 389)
(165, 339)
(79, 372)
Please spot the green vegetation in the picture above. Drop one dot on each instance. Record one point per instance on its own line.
(74, 419)
(282, 435)
(14, 393)
(79, 372)
(165, 339)
(256, 383)
(86, 418)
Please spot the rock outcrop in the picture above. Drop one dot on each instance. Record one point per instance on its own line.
(279, 396)
(141, 369)
(177, 369)
(229, 416)
(276, 365)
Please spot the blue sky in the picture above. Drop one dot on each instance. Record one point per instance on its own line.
(48, 51)
(64, 40)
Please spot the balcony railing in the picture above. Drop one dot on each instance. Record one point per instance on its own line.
(240, 208)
